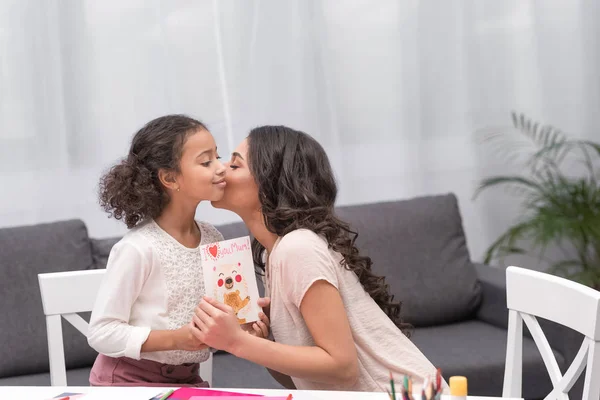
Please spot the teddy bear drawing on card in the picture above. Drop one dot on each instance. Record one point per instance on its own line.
(231, 288)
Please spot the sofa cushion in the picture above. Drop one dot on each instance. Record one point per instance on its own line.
(75, 377)
(228, 372)
(26, 252)
(478, 351)
(420, 247)
(234, 230)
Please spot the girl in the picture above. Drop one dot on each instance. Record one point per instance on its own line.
(141, 322)
(335, 324)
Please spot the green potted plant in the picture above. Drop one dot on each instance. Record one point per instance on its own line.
(560, 198)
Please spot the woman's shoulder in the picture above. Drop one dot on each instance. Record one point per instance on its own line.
(301, 240)
(303, 255)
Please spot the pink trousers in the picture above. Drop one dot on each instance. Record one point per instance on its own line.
(123, 371)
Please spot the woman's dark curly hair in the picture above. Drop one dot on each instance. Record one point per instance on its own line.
(297, 189)
(131, 190)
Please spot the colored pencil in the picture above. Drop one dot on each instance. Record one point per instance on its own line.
(166, 395)
(429, 390)
(389, 394)
(405, 394)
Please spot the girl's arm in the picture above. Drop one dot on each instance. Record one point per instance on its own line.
(109, 331)
(178, 339)
(332, 360)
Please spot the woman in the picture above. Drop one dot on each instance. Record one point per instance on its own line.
(335, 324)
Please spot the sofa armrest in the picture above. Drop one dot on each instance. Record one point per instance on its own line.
(493, 295)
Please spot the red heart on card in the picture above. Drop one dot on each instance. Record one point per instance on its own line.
(213, 250)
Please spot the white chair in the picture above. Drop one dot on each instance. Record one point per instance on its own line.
(66, 294)
(531, 294)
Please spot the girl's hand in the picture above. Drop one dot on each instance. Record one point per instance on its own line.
(184, 339)
(261, 327)
(216, 325)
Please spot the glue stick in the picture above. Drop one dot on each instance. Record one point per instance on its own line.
(458, 387)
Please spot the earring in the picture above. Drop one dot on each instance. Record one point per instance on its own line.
(178, 189)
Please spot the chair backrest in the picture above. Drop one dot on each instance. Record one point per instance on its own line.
(531, 294)
(64, 294)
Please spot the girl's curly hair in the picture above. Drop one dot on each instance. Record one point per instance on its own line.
(131, 190)
(297, 189)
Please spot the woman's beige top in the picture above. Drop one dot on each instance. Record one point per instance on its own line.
(301, 258)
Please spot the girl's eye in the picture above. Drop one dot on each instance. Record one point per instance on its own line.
(233, 167)
(206, 164)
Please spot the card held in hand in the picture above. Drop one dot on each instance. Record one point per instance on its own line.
(229, 276)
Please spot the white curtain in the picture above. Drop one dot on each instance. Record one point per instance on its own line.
(394, 90)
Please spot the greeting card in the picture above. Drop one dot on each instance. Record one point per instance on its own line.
(229, 276)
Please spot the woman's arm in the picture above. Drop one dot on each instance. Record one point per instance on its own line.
(332, 360)
(265, 323)
(284, 380)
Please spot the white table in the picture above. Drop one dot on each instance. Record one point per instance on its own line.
(144, 393)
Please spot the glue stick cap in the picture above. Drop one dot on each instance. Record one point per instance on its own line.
(458, 386)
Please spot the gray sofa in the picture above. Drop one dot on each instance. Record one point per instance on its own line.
(457, 308)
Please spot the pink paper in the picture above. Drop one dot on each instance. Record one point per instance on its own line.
(189, 393)
(243, 397)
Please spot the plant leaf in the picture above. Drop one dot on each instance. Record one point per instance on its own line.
(507, 241)
(559, 207)
(503, 180)
(564, 267)
(515, 120)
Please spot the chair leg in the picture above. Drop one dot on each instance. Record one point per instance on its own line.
(591, 390)
(513, 369)
(56, 351)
